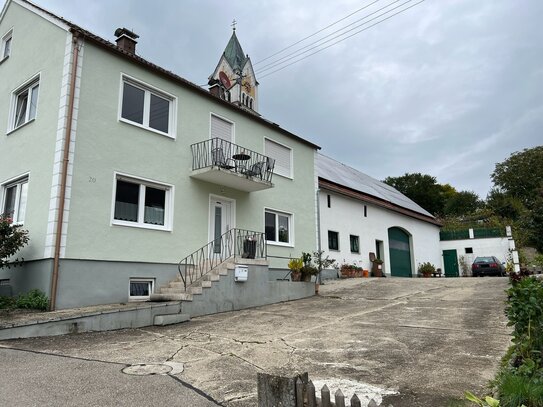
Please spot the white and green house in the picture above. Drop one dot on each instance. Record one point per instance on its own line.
(120, 169)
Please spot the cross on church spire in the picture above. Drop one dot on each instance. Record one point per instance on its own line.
(233, 24)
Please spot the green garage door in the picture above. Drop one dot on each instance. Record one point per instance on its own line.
(400, 255)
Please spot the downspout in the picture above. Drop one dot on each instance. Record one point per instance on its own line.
(64, 172)
(319, 278)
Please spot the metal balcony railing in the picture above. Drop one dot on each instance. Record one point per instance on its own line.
(222, 154)
(234, 243)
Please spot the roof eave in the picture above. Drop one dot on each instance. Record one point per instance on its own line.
(76, 30)
(353, 193)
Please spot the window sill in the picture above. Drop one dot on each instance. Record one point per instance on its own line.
(172, 136)
(141, 226)
(284, 176)
(279, 244)
(20, 127)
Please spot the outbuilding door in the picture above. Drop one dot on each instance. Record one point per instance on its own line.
(450, 261)
(400, 253)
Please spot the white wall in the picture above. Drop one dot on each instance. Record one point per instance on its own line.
(346, 216)
(494, 246)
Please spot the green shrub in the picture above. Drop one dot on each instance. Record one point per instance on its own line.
(34, 299)
(7, 302)
(12, 239)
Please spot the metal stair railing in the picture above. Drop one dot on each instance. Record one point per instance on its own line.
(234, 243)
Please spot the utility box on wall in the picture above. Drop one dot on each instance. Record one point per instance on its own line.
(241, 273)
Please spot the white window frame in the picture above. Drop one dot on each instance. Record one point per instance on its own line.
(149, 89)
(144, 182)
(289, 176)
(29, 86)
(218, 116)
(290, 217)
(17, 182)
(7, 37)
(151, 282)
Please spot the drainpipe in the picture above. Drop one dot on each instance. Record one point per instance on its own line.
(64, 172)
(318, 232)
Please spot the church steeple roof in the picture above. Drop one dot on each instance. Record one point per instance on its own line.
(234, 53)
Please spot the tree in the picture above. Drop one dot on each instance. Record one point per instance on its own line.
(12, 239)
(521, 175)
(504, 205)
(423, 189)
(462, 203)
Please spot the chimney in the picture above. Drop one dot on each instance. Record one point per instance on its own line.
(126, 40)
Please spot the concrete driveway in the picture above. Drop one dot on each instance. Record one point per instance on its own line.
(409, 342)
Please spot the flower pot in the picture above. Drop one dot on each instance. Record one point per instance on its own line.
(295, 275)
(365, 273)
(306, 277)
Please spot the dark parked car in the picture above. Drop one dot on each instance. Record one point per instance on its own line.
(487, 266)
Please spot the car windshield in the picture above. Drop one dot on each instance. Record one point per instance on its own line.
(484, 260)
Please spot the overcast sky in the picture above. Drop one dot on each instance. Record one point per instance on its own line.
(447, 88)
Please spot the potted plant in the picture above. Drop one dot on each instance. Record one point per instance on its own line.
(345, 270)
(295, 265)
(426, 269)
(307, 270)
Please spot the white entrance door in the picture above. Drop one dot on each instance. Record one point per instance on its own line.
(221, 219)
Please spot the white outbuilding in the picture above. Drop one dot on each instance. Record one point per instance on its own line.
(362, 218)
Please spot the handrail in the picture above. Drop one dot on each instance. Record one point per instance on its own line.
(225, 155)
(234, 243)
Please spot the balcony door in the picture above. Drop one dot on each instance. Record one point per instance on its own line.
(221, 219)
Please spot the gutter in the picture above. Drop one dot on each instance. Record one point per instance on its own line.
(64, 172)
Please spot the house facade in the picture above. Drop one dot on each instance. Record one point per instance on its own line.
(156, 167)
(362, 218)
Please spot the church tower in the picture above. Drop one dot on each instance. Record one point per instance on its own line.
(234, 78)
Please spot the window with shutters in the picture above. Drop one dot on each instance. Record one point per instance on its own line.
(221, 128)
(282, 156)
(148, 107)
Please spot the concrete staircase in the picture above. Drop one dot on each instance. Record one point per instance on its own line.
(175, 290)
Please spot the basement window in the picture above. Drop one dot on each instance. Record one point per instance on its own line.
(140, 289)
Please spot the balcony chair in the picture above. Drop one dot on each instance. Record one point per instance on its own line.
(218, 158)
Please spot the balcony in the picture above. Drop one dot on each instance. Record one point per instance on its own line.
(220, 162)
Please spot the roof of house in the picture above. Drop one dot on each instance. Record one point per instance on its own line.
(234, 53)
(356, 184)
(95, 39)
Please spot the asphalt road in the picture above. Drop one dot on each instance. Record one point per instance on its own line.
(406, 342)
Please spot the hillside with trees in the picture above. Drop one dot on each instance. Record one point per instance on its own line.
(515, 199)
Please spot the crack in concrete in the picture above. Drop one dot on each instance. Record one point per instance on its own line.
(251, 395)
(290, 354)
(249, 342)
(176, 352)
